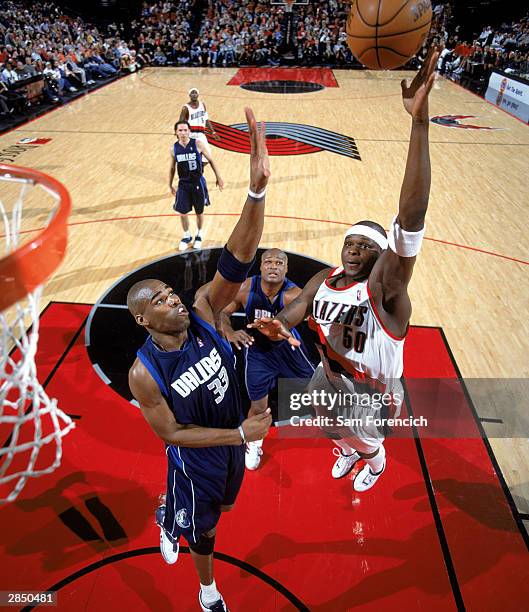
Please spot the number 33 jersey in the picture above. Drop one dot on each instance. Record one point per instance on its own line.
(352, 339)
(199, 381)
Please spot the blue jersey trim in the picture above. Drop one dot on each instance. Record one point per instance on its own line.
(153, 372)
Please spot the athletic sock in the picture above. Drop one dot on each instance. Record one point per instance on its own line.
(344, 447)
(209, 593)
(187, 234)
(199, 233)
(376, 463)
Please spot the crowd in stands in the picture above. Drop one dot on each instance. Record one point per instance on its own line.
(71, 55)
(470, 62)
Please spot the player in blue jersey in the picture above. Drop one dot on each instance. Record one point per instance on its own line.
(265, 295)
(192, 191)
(185, 383)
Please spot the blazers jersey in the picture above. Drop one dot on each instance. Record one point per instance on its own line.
(352, 339)
(197, 117)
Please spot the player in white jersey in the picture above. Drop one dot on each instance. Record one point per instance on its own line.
(195, 113)
(362, 309)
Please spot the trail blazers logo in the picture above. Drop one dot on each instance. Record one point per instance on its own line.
(9, 154)
(453, 121)
(286, 139)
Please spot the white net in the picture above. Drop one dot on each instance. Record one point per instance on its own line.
(31, 424)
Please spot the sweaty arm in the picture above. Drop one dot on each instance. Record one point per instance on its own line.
(392, 272)
(239, 338)
(162, 421)
(293, 313)
(239, 253)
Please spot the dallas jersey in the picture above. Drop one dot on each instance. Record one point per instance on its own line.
(259, 305)
(188, 161)
(353, 341)
(266, 360)
(200, 386)
(197, 119)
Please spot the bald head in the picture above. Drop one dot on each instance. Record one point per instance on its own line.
(274, 253)
(140, 295)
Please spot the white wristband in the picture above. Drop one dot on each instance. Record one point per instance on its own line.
(257, 196)
(404, 243)
(241, 432)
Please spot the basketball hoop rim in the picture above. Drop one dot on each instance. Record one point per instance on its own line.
(23, 270)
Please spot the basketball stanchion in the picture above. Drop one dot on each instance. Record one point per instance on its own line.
(31, 424)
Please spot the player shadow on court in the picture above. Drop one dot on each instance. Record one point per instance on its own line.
(92, 519)
(483, 502)
(476, 505)
(113, 204)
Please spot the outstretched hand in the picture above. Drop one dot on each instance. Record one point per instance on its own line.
(274, 329)
(259, 163)
(415, 95)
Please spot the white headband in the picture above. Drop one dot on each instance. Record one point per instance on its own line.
(193, 89)
(368, 232)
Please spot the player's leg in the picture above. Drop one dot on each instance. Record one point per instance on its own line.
(260, 375)
(200, 200)
(182, 205)
(254, 450)
(346, 454)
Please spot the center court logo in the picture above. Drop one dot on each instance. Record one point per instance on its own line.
(286, 139)
(182, 519)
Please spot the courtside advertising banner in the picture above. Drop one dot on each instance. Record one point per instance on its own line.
(510, 94)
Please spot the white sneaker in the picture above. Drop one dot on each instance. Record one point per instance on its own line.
(198, 242)
(365, 479)
(184, 243)
(252, 458)
(218, 606)
(344, 464)
(167, 548)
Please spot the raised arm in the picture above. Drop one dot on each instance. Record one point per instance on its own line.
(239, 338)
(296, 311)
(162, 421)
(238, 255)
(393, 270)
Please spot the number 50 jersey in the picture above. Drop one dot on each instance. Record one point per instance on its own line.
(352, 339)
(199, 381)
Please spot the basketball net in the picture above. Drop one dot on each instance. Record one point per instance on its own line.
(288, 5)
(31, 424)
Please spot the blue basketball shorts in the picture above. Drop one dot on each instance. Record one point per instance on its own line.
(199, 482)
(191, 195)
(264, 368)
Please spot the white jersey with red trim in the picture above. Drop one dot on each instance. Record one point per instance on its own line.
(353, 340)
(197, 117)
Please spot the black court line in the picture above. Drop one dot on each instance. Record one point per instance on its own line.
(151, 550)
(395, 140)
(501, 478)
(489, 420)
(452, 576)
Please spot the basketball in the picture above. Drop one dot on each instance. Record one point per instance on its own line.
(385, 34)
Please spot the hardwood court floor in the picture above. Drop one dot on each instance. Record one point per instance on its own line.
(111, 149)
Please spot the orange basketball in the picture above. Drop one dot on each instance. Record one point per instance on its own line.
(384, 34)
